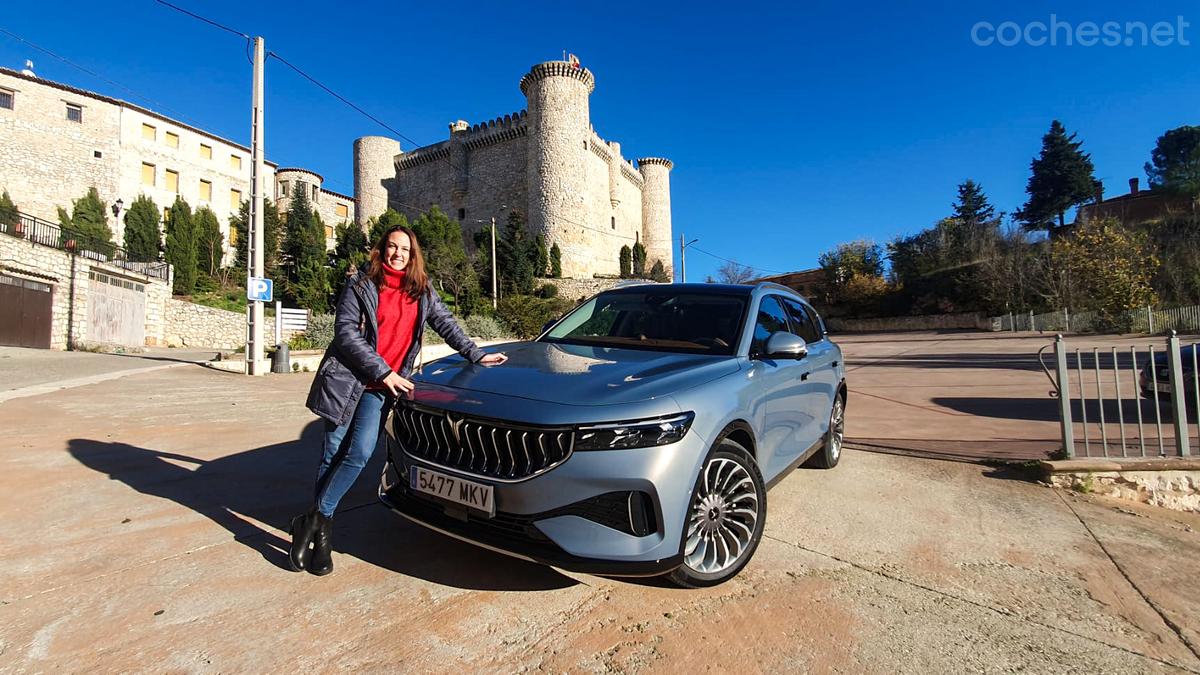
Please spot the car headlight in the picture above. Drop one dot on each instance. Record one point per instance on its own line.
(636, 434)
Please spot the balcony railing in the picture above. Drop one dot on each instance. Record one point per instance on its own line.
(55, 236)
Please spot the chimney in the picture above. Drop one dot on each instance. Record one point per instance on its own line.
(1133, 186)
(1099, 191)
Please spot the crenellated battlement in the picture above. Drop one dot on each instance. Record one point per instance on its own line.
(558, 69)
(632, 174)
(425, 155)
(644, 161)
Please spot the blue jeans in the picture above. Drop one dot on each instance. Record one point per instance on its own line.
(348, 448)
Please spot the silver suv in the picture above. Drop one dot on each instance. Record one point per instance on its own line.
(637, 436)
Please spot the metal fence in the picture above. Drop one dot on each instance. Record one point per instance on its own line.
(1119, 402)
(44, 233)
(1141, 320)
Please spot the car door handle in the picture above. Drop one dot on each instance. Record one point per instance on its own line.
(835, 364)
(804, 376)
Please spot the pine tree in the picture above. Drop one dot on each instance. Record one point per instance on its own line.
(87, 225)
(625, 259)
(441, 241)
(516, 254)
(307, 283)
(377, 226)
(239, 228)
(9, 216)
(181, 246)
(639, 261)
(1174, 164)
(142, 235)
(210, 249)
(973, 223)
(659, 273)
(1062, 176)
(555, 262)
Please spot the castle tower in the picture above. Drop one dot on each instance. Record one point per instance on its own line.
(296, 179)
(656, 211)
(557, 93)
(374, 163)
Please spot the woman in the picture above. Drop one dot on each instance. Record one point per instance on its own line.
(377, 338)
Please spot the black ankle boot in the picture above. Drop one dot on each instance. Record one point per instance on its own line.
(303, 529)
(321, 562)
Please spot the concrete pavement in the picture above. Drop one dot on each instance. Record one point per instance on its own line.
(145, 520)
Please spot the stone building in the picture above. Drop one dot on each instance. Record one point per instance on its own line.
(546, 161)
(333, 208)
(57, 141)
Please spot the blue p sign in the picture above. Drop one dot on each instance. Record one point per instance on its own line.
(258, 289)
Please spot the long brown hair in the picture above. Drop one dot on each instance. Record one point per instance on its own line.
(415, 277)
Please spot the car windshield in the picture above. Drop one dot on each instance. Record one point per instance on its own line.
(706, 323)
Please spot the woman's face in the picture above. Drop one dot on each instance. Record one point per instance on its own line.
(396, 250)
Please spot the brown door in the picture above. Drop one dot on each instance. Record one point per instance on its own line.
(26, 308)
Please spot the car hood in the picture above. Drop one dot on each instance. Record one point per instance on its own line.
(579, 375)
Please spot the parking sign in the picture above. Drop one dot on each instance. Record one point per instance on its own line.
(259, 289)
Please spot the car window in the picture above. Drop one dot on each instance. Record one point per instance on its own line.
(657, 319)
(771, 319)
(803, 323)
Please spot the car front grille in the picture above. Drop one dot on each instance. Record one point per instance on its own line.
(487, 448)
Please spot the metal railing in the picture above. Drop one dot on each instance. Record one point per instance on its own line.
(1140, 320)
(44, 233)
(1120, 402)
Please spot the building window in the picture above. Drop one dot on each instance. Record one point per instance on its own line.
(314, 193)
(172, 139)
(235, 200)
(149, 132)
(328, 232)
(205, 191)
(614, 222)
(342, 211)
(6, 98)
(205, 151)
(233, 236)
(147, 174)
(166, 213)
(235, 162)
(172, 181)
(97, 154)
(283, 188)
(462, 215)
(74, 113)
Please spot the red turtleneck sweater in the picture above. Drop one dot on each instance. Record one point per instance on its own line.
(397, 319)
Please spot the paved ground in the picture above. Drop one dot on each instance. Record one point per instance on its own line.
(26, 372)
(144, 526)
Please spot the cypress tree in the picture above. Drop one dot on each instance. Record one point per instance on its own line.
(555, 262)
(181, 246)
(142, 235)
(639, 261)
(210, 249)
(87, 224)
(626, 262)
(8, 211)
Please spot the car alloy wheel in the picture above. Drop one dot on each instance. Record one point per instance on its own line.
(725, 519)
(837, 428)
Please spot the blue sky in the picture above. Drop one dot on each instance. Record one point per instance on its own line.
(793, 126)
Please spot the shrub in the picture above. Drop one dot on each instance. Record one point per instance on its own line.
(431, 336)
(482, 327)
(319, 334)
(524, 315)
(547, 291)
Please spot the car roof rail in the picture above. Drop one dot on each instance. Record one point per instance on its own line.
(780, 287)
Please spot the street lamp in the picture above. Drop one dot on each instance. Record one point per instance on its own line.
(683, 258)
(117, 206)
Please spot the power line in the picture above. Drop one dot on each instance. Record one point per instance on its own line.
(204, 19)
(760, 269)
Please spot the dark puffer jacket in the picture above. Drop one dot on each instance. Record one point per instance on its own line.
(351, 361)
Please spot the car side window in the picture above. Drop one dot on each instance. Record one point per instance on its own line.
(771, 319)
(803, 322)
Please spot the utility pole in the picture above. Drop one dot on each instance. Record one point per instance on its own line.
(493, 262)
(683, 257)
(254, 343)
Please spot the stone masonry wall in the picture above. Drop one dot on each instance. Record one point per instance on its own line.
(192, 325)
(576, 290)
(68, 275)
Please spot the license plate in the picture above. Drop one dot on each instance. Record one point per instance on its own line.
(449, 488)
(1164, 387)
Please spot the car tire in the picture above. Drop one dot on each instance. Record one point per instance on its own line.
(725, 518)
(831, 450)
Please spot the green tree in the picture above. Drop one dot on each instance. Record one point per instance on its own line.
(542, 262)
(973, 225)
(377, 226)
(181, 246)
(142, 235)
(311, 289)
(1174, 164)
(87, 224)
(305, 255)
(239, 228)
(555, 262)
(1108, 269)
(210, 245)
(639, 261)
(1062, 177)
(8, 211)
(441, 240)
(659, 273)
(516, 255)
(349, 254)
(626, 262)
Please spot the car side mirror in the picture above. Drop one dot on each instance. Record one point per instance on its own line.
(783, 345)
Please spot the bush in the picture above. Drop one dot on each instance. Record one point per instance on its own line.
(319, 334)
(431, 336)
(524, 315)
(482, 327)
(547, 291)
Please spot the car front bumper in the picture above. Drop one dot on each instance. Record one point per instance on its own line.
(530, 522)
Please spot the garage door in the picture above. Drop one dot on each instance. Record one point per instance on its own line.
(116, 310)
(26, 307)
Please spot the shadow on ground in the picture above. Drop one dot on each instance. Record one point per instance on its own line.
(271, 484)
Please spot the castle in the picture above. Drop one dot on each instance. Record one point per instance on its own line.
(546, 162)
